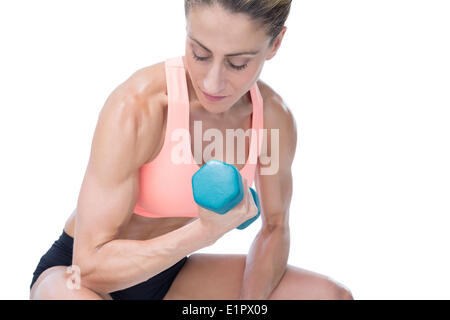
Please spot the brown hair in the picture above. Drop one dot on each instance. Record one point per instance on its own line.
(271, 14)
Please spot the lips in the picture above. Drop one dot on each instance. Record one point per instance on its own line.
(213, 98)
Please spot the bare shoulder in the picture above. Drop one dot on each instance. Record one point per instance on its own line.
(144, 87)
(141, 99)
(277, 113)
(278, 118)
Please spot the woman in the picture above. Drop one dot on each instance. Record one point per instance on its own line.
(136, 225)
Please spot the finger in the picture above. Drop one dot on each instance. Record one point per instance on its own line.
(244, 201)
(247, 195)
(252, 200)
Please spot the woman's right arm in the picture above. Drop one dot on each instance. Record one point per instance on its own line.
(108, 195)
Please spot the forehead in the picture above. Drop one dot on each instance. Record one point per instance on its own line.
(213, 23)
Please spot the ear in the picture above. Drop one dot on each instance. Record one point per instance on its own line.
(276, 44)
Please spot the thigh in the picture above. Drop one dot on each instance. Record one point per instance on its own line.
(209, 276)
(219, 277)
(52, 284)
(302, 284)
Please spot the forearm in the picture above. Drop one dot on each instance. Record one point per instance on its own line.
(120, 264)
(266, 263)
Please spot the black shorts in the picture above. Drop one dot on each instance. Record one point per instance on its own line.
(155, 288)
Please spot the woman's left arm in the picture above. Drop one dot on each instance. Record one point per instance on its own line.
(267, 259)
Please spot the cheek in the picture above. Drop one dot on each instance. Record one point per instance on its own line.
(195, 71)
(191, 66)
(245, 79)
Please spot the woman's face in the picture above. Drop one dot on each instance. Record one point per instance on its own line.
(224, 55)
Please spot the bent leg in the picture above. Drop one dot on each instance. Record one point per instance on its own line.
(219, 277)
(52, 285)
(302, 284)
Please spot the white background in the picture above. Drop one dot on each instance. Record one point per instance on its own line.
(368, 83)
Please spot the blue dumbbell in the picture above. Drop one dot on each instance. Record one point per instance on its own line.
(218, 186)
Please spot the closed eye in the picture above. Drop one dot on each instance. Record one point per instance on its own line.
(231, 65)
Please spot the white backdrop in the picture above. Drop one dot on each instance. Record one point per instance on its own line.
(368, 83)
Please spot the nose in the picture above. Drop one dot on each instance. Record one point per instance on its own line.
(214, 82)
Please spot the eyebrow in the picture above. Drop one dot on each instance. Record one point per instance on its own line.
(253, 53)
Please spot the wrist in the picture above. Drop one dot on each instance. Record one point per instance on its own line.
(207, 232)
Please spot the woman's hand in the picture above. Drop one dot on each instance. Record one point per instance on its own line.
(216, 225)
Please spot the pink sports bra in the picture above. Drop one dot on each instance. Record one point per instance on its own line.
(165, 188)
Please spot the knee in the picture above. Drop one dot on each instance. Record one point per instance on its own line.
(340, 292)
(46, 289)
(54, 286)
(332, 290)
(345, 294)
